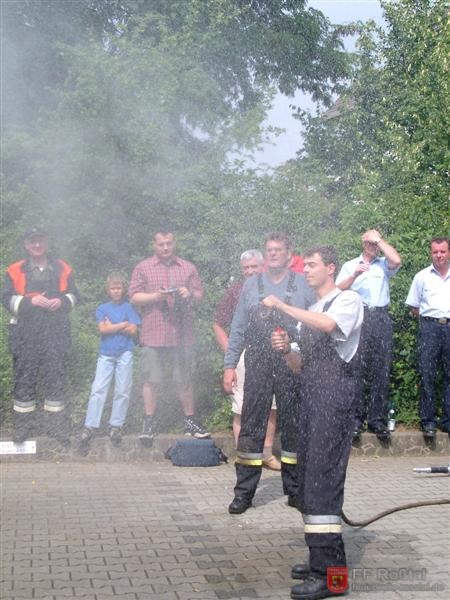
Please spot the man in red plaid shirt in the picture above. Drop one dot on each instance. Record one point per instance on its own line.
(165, 287)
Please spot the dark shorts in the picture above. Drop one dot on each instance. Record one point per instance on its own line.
(159, 365)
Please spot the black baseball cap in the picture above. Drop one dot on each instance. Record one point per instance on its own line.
(35, 231)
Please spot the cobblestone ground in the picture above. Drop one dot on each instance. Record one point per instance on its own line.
(138, 531)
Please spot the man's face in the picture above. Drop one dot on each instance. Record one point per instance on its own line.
(316, 272)
(164, 246)
(36, 246)
(277, 255)
(440, 254)
(370, 250)
(250, 267)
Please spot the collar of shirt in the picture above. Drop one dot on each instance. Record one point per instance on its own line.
(158, 261)
(32, 266)
(318, 306)
(371, 262)
(434, 270)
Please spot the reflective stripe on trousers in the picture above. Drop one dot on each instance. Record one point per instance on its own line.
(288, 458)
(250, 459)
(24, 407)
(28, 407)
(256, 459)
(322, 523)
(53, 406)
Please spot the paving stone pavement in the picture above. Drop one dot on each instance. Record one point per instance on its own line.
(151, 531)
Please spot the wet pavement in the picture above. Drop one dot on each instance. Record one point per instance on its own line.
(152, 531)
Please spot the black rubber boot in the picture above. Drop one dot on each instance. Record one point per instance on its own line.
(24, 424)
(58, 427)
(300, 571)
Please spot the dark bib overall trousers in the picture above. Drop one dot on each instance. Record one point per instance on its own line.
(327, 406)
(39, 343)
(266, 375)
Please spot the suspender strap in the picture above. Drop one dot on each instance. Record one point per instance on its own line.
(261, 294)
(290, 288)
(327, 305)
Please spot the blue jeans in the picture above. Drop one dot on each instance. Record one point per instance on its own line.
(121, 368)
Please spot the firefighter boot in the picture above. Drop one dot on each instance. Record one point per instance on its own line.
(245, 488)
(23, 426)
(313, 588)
(290, 483)
(58, 427)
(300, 571)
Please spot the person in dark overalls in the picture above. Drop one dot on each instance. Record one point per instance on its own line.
(39, 292)
(266, 373)
(327, 343)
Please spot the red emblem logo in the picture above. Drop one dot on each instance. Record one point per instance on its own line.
(337, 579)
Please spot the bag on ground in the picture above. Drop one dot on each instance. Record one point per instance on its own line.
(195, 453)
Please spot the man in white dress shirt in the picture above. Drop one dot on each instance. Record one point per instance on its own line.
(369, 275)
(429, 300)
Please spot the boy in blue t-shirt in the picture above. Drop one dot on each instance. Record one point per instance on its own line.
(117, 323)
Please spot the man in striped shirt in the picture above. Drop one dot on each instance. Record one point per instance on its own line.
(165, 288)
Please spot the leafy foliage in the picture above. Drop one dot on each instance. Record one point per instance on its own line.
(384, 156)
(119, 116)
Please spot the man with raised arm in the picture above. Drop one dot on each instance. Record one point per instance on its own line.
(369, 275)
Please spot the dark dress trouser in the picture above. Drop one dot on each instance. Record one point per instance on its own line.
(375, 359)
(434, 345)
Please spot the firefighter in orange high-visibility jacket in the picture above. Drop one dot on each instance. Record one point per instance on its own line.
(39, 293)
(328, 340)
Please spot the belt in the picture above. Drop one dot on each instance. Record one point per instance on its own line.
(376, 308)
(441, 320)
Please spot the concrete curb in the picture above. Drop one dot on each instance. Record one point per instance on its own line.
(403, 443)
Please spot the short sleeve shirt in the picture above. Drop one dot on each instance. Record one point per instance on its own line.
(372, 286)
(167, 323)
(346, 309)
(430, 293)
(114, 344)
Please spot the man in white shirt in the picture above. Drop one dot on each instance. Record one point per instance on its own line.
(429, 300)
(328, 342)
(369, 275)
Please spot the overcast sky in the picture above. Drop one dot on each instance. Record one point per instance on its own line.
(287, 144)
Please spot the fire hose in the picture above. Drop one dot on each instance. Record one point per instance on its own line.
(390, 511)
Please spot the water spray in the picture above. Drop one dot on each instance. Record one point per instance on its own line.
(360, 524)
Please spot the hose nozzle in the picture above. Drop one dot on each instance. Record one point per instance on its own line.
(433, 469)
